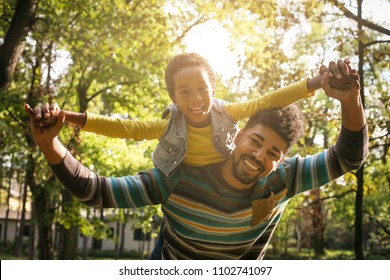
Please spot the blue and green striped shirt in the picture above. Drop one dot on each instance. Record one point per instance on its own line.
(206, 218)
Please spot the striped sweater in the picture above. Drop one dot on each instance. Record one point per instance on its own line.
(206, 218)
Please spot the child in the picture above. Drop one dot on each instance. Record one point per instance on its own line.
(196, 129)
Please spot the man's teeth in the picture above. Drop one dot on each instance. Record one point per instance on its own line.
(250, 165)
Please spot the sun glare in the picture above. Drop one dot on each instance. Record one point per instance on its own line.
(212, 41)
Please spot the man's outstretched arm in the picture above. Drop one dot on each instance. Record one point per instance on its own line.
(94, 190)
(348, 153)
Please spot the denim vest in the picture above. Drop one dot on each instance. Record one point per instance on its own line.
(172, 147)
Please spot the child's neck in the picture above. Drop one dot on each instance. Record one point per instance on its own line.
(204, 123)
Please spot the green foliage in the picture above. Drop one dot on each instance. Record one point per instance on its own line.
(116, 53)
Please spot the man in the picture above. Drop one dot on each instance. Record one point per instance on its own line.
(227, 210)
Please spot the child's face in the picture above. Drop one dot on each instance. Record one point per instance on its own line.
(193, 94)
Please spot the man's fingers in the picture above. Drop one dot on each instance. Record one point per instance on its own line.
(343, 67)
(48, 121)
(335, 69)
(38, 111)
(30, 111)
(46, 110)
(54, 108)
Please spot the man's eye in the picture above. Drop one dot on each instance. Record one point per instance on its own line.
(255, 142)
(273, 155)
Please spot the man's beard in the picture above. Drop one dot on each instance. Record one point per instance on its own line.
(241, 175)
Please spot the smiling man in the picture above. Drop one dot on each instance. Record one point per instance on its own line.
(227, 210)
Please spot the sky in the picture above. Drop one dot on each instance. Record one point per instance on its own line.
(223, 61)
(216, 50)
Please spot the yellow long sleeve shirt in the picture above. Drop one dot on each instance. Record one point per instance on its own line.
(200, 149)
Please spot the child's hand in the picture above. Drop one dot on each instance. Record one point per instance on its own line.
(49, 113)
(341, 75)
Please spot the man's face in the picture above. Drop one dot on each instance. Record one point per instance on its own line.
(193, 95)
(258, 152)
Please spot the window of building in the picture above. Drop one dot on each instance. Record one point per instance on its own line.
(26, 230)
(139, 235)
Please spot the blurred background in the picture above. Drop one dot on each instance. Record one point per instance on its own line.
(109, 57)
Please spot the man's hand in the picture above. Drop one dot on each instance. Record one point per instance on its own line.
(352, 111)
(340, 81)
(44, 135)
(46, 114)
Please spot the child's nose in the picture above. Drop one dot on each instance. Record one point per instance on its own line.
(197, 96)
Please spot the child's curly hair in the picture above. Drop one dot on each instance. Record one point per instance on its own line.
(288, 123)
(184, 60)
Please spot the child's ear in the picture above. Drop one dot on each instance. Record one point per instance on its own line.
(172, 98)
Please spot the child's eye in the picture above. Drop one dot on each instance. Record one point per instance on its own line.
(183, 92)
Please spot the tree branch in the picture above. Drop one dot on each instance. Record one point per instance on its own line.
(107, 88)
(15, 118)
(376, 42)
(379, 145)
(200, 20)
(382, 226)
(354, 17)
(326, 198)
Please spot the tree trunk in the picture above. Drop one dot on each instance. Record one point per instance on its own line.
(117, 253)
(68, 237)
(31, 250)
(85, 243)
(45, 216)
(286, 239)
(318, 224)
(19, 237)
(298, 233)
(5, 236)
(13, 46)
(358, 242)
(126, 214)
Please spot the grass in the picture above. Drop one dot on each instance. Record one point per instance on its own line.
(291, 255)
(9, 256)
(307, 254)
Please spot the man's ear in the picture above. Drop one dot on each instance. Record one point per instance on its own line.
(281, 160)
(238, 136)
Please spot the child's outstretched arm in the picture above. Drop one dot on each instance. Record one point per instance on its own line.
(125, 128)
(108, 126)
(47, 114)
(290, 94)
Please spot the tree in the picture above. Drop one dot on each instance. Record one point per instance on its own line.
(13, 45)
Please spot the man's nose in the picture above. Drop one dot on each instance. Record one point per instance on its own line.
(260, 154)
